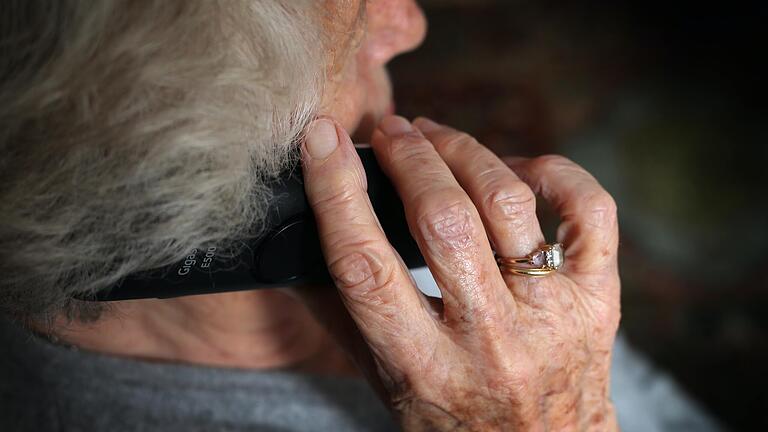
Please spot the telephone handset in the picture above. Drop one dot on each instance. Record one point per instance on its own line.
(287, 254)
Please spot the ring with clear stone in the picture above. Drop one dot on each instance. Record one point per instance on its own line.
(541, 262)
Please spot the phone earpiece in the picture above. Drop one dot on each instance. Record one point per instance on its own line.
(288, 253)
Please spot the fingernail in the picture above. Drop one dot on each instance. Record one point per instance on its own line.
(425, 125)
(322, 139)
(395, 125)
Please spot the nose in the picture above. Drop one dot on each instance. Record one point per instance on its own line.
(393, 27)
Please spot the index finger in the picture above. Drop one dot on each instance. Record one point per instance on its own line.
(374, 285)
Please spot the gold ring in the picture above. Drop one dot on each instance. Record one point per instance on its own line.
(541, 262)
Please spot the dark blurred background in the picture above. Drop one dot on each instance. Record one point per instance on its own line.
(662, 102)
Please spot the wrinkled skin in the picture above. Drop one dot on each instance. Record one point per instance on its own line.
(501, 351)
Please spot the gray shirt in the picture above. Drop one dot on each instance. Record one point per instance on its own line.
(49, 387)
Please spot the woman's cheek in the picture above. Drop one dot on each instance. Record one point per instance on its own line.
(346, 110)
(340, 101)
(347, 105)
(359, 98)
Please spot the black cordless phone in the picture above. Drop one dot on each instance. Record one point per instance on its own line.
(287, 254)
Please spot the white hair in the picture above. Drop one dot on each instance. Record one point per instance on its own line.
(132, 131)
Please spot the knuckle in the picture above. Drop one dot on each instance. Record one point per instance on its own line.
(601, 210)
(450, 227)
(517, 380)
(361, 273)
(512, 201)
(552, 162)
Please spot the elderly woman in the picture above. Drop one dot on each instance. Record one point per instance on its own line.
(133, 131)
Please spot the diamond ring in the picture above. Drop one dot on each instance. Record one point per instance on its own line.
(541, 262)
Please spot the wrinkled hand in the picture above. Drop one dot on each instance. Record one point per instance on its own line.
(503, 352)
